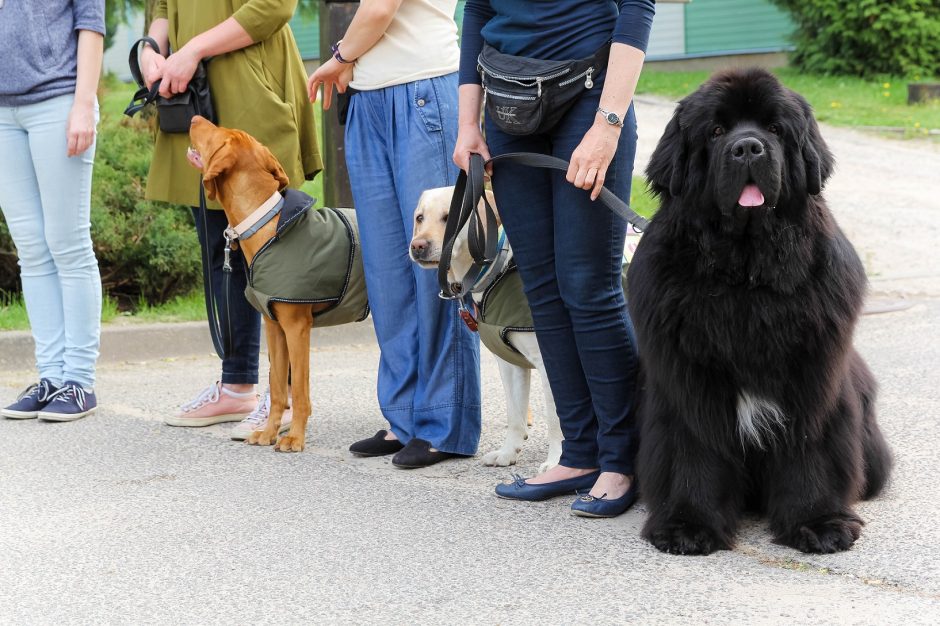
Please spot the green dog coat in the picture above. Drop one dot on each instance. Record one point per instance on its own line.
(314, 258)
(504, 309)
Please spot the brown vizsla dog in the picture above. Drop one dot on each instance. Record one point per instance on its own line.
(241, 174)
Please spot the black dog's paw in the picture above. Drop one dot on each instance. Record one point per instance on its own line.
(825, 535)
(680, 537)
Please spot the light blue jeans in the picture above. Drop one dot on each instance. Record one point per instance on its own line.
(45, 197)
(399, 142)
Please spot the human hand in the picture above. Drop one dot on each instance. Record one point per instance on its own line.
(80, 128)
(469, 140)
(331, 74)
(592, 157)
(151, 65)
(178, 70)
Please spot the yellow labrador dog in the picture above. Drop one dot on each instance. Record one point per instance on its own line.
(516, 347)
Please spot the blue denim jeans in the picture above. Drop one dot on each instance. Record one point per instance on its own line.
(569, 251)
(399, 142)
(241, 366)
(45, 197)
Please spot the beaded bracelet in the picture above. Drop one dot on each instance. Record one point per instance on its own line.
(336, 55)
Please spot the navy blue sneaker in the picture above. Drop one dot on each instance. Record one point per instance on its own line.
(589, 506)
(519, 489)
(69, 403)
(33, 400)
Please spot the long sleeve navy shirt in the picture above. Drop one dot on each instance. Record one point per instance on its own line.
(550, 29)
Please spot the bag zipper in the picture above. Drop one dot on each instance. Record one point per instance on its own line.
(588, 83)
(487, 90)
(532, 80)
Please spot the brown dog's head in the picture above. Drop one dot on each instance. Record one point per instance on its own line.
(231, 157)
(430, 221)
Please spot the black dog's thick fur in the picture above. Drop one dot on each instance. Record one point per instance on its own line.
(754, 397)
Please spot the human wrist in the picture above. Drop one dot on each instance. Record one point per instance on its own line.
(84, 100)
(338, 55)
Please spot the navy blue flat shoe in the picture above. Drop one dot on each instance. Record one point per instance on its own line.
(519, 489)
(589, 506)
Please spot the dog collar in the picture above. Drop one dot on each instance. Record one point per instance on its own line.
(260, 216)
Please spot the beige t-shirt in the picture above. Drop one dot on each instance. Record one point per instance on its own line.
(421, 42)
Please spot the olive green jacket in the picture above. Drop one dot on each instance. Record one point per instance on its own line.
(260, 89)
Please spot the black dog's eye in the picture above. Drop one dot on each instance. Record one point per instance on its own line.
(419, 219)
(774, 129)
(718, 131)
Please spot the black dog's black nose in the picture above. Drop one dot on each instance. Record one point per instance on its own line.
(747, 149)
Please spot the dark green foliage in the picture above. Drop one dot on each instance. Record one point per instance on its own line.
(866, 37)
(145, 249)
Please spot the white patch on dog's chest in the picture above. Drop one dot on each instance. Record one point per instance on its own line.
(759, 420)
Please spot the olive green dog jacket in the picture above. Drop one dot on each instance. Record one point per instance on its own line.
(314, 258)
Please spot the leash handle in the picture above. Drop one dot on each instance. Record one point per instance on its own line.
(482, 239)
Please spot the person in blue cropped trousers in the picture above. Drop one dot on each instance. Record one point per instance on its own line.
(401, 129)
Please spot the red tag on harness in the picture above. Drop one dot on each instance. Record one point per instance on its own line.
(468, 319)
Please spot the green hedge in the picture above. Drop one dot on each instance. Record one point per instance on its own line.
(866, 37)
(145, 249)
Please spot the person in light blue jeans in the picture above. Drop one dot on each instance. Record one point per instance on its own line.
(51, 55)
(401, 127)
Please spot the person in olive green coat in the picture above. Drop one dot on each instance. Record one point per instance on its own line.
(258, 85)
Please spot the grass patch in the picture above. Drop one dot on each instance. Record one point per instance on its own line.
(837, 100)
(641, 200)
(13, 311)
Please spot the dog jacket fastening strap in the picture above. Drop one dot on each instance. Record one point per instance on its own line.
(260, 216)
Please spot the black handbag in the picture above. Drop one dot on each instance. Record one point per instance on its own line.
(525, 96)
(176, 112)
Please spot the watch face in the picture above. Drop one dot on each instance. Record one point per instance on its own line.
(612, 118)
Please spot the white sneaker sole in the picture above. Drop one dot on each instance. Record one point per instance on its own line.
(19, 415)
(199, 422)
(243, 436)
(64, 417)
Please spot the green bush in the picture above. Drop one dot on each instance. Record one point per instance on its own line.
(145, 249)
(866, 37)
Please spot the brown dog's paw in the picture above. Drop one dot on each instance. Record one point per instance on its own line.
(260, 438)
(287, 443)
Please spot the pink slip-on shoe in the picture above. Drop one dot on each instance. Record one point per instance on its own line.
(213, 405)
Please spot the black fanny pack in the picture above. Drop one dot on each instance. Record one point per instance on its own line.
(176, 112)
(524, 96)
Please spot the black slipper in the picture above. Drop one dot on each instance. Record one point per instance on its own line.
(417, 453)
(377, 445)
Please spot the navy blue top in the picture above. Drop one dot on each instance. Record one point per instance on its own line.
(553, 30)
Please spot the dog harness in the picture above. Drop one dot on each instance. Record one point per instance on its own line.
(313, 258)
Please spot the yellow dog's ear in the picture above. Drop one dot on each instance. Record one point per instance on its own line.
(222, 160)
(272, 165)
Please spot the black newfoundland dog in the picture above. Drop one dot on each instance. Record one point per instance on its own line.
(745, 294)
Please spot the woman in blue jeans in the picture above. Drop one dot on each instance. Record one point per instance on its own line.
(401, 57)
(51, 55)
(569, 248)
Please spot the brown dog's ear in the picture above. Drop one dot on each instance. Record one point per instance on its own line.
(221, 161)
(273, 166)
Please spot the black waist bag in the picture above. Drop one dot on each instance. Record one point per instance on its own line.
(524, 96)
(176, 112)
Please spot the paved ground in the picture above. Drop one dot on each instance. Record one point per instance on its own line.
(119, 518)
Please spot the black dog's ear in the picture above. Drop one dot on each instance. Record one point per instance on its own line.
(668, 166)
(816, 155)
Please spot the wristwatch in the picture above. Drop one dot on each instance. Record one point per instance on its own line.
(610, 117)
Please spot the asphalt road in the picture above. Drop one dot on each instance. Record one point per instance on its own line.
(120, 519)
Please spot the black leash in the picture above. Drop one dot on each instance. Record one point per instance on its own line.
(482, 239)
(220, 319)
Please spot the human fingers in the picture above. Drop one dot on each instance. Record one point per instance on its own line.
(327, 95)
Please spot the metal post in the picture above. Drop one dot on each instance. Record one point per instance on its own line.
(335, 16)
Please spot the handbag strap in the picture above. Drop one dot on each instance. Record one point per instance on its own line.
(468, 191)
(143, 96)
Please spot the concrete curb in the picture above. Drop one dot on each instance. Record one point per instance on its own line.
(149, 342)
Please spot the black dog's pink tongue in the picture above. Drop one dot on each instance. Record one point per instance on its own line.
(751, 196)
